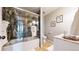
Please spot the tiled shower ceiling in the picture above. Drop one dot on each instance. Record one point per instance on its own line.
(32, 9)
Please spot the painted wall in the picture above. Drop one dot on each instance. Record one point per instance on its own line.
(41, 28)
(68, 17)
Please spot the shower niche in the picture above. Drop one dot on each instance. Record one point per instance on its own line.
(22, 23)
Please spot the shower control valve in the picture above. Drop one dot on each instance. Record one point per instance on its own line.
(2, 37)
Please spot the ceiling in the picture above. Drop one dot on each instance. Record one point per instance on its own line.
(47, 10)
(32, 9)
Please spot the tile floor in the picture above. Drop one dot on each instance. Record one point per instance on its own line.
(47, 46)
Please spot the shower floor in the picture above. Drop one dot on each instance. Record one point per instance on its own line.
(26, 44)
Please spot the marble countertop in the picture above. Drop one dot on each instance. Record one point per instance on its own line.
(61, 38)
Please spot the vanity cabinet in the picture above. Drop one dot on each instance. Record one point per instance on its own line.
(61, 44)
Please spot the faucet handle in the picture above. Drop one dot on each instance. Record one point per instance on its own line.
(2, 37)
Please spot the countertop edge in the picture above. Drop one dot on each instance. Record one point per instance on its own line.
(60, 37)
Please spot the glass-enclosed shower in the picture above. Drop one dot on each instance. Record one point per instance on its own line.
(23, 26)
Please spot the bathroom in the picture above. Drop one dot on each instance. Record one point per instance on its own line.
(39, 28)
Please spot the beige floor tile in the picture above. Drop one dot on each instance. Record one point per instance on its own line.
(45, 46)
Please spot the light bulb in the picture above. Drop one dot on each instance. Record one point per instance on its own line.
(34, 22)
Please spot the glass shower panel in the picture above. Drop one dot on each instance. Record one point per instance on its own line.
(20, 28)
